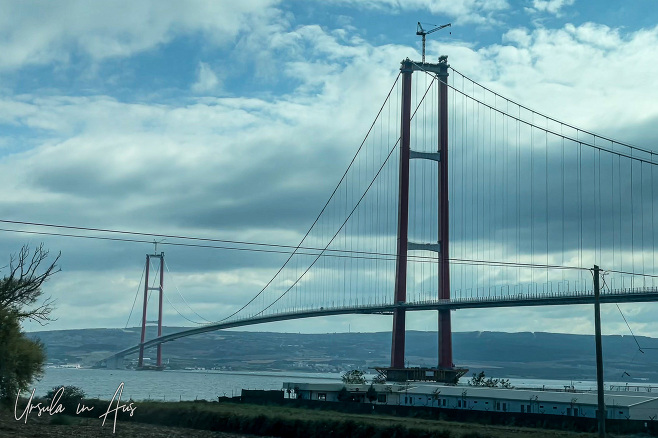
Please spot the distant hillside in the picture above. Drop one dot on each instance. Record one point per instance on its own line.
(526, 355)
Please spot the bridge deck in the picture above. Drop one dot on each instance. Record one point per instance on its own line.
(521, 300)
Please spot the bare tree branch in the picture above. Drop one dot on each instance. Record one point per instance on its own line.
(21, 288)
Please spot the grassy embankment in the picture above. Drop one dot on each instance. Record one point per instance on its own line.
(284, 421)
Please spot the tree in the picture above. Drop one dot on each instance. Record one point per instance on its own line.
(354, 377)
(67, 396)
(477, 379)
(371, 394)
(21, 359)
(481, 380)
(379, 379)
(21, 288)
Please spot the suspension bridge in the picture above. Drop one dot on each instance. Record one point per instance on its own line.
(456, 198)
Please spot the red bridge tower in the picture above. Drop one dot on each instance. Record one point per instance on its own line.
(147, 288)
(446, 371)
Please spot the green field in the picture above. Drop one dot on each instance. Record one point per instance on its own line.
(274, 420)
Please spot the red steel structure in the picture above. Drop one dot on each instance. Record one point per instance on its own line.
(399, 320)
(160, 289)
(445, 330)
(403, 245)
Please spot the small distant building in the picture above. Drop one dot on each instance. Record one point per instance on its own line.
(642, 406)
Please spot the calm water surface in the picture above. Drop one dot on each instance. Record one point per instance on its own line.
(170, 385)
(208, 385)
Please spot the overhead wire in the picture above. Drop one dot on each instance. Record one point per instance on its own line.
(180, 237)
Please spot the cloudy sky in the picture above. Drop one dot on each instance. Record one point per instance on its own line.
(235, 120)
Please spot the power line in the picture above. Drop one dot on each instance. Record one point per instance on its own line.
(348, 253)
(632, 273)
(373, 255)
(181, 237)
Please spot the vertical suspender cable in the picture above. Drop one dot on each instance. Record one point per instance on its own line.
(532, 200)
(546, 195)
(632, 227)
(644, 279)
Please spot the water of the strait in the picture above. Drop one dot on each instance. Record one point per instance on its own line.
(171, 385)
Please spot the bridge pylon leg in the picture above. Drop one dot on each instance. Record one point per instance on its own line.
(445, 328)
(140, 362)
(399, 325)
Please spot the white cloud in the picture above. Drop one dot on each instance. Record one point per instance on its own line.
(587, 75)
(464, 12)
(207, 80)
(518, 37)
(551, 6)
(33, 32)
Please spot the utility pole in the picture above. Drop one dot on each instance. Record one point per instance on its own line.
(601, 412)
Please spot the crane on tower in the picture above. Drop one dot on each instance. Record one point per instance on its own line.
(422, 32)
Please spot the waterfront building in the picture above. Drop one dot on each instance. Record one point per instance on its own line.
(568, 402)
